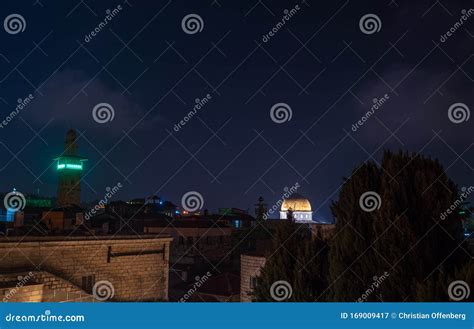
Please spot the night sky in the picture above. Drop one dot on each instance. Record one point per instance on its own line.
(320, 63)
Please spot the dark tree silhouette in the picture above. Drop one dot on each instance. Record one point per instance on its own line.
(404, 237)
(296, 259)
(260, 210)
(394, 239)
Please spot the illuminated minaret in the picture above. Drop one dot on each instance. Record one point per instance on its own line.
(69, 166)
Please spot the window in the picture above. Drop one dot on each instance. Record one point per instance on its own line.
(88, 283)
(253, 282)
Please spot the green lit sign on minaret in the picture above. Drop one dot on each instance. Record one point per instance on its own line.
(69, 166)
(72, 163)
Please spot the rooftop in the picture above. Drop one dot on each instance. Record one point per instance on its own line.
(56, 238)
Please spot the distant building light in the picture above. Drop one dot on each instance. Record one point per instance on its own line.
(10, 215)
(72, 166)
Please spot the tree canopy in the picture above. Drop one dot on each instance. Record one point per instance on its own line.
(394, 239)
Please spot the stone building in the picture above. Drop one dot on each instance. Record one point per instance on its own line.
(323, 231)
(39, 286)
(251, 263)
(69, 167)
(194, 240)
(299, 206)
(124, 268)
(250, 266)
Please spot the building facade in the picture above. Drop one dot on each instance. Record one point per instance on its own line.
(69, 166)
(300, 208)
(135, 268)
(250, 267)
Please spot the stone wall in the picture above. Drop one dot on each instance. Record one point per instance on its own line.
(26, 293)
(324, 231)
(136, 267)
(191, 244)
(39, 286)
(250, 266)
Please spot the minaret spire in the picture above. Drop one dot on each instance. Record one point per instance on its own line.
(69, 166)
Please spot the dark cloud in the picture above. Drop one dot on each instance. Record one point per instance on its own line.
(70, 97)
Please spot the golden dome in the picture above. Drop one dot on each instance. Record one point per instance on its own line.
(296, 203)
